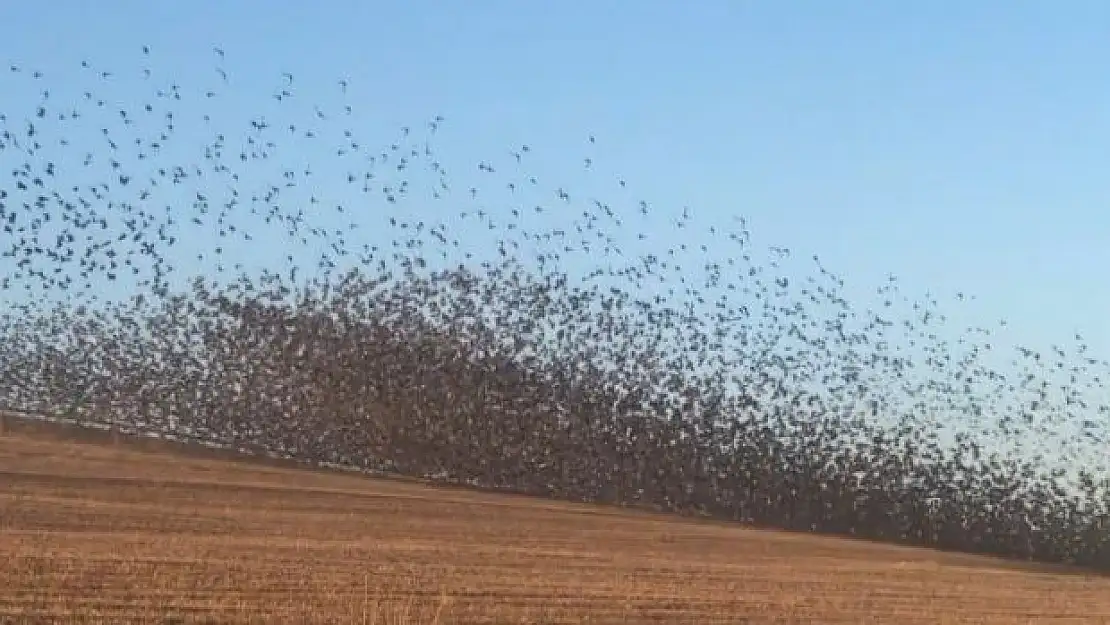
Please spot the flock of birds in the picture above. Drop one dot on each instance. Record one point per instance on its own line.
(355, 307)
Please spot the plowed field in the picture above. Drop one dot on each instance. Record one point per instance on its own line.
(92, 531)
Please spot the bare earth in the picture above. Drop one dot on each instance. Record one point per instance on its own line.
(92, 531)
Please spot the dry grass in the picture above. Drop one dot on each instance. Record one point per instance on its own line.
(93, 532)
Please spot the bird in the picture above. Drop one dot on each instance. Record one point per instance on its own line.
(370, 311)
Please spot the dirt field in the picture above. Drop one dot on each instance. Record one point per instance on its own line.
(96, 532)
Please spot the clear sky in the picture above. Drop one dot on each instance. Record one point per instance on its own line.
(959, 145)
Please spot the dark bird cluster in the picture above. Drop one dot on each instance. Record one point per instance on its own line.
(275, 285)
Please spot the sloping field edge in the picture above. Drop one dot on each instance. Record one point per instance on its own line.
(71, 430)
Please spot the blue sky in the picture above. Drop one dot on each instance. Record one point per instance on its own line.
(961, 146)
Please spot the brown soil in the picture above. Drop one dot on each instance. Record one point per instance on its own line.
(93, 530)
